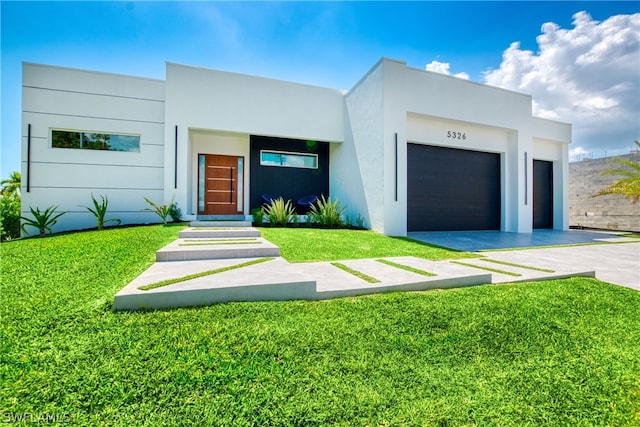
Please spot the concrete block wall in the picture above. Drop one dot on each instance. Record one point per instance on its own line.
(604, 212)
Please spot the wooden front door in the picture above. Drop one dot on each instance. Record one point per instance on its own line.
(220, 184)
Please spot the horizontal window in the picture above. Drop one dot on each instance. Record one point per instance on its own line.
(95, 141)
(289, 160)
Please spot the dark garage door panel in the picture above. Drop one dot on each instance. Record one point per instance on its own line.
(542, 194)
(450, 189)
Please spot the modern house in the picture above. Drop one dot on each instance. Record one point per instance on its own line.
(407, 149)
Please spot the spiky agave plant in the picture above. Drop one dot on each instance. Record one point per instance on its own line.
(42, 220)
(99, 211)
(163, 211)
(279, 212)
(327, 212)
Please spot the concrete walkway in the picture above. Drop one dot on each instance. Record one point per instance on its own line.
(614, 258)
(277, 279)
(474, 241)
(614, 263)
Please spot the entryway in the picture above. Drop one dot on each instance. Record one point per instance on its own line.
(220, 184)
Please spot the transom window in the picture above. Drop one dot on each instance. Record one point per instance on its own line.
(95, 141)
(288, 159)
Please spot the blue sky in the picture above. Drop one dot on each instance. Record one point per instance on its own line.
(329, 44)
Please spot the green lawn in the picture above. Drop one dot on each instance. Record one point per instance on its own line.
(312, 244)
(561, 352)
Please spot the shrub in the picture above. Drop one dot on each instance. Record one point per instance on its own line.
(99, 211)
(258, 216)
(279, 212)
(175, 212)
(43, 221)
(162, 211)
(327, 212)
(9, 216)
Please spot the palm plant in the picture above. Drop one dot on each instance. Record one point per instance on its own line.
(627, 186)
(12, 184)
(99, 210)
(163, 211)
(43, 221)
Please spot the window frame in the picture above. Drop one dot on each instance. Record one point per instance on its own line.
(289, 153)
(81, 132)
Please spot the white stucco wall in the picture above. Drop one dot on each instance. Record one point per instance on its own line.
(357, 173)
(422, 107)
(215, 112)
(223, 102)
(78, 100)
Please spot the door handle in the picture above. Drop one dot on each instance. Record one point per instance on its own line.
(231, 185)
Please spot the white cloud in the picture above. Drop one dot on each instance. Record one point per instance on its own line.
(443, 68)
(588, 76)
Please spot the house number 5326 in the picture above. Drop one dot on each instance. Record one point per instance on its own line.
(456, 135)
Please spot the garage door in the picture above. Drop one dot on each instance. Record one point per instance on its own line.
(450, 189)
(542, 194)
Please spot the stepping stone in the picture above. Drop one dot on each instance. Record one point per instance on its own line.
(209, 224)
(283, 282)
(197, 249)
(218, 232)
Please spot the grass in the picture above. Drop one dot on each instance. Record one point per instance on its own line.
(512, 264)
(406, 267)
(561, 352)
(309, 244)
(495, 270)
(356, 273)
(631, 235)
(202, 274)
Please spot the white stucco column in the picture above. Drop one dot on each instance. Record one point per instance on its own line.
(561, 189)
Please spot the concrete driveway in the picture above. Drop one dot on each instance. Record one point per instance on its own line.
(616, 259)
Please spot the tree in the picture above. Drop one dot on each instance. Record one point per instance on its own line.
(627, 186)
(11, 185)
(96, 141)
(10, 207)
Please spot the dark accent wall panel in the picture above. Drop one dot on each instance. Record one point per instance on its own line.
(451, 189)
(542, 194)
(290, 183)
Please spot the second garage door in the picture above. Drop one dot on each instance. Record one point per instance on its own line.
(450, 189)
